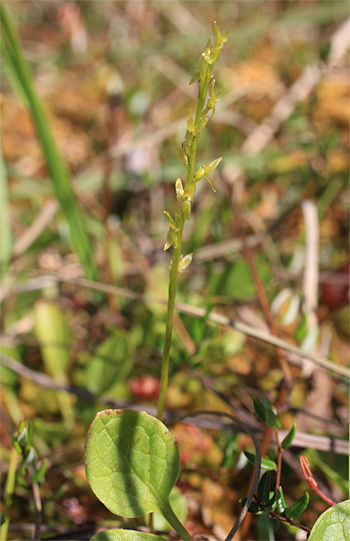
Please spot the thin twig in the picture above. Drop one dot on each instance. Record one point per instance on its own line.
(279, 460)
(290, 521)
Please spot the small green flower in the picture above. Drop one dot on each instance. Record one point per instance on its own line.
(193, 128)
(180, 192)
(213, 98)
(185, 196)
(220, 40)
(208, 168)
(174, 229)
(184, 262)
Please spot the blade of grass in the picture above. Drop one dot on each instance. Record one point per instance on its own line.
(5, 231)
(13, 55)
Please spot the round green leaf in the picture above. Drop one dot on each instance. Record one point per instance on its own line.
(333, 524)
(132, 462)
(125, 535)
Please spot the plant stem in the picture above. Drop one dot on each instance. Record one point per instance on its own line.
(177, 253)
(170, 516)
(169, 324)
(9, 489)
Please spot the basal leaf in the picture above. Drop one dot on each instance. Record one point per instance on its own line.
(333, 524)
(125, 535)
(298, 507)
(111, 363)
(51, 329)
(132, 463)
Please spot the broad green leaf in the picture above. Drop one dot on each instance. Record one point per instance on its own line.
(132, 463)
(288, 439)
(51, 329)
(9, 377)
(236, 282)
(263, 490)
(266, 463)
(125, 535)
(298, 507)
(333, 524)
(259, 409)
(111, 363)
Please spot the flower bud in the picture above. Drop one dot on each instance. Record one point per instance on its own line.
(208, 168)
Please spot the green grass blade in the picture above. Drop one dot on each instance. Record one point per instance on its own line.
(58, 170)
(5, 231)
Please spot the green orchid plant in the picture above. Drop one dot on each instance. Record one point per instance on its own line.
(132, 459)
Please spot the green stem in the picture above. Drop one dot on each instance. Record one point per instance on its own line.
(176, 256)
(169, 323)
(174, 522)
(9, 490)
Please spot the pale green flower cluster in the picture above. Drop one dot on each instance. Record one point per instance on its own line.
(195, 125)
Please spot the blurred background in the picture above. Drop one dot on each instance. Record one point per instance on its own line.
(113, 81)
